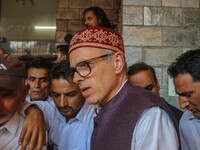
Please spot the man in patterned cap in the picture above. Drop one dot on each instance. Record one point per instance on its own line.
(128, 117)
(12, 94)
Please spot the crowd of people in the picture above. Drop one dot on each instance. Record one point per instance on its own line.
(89, 100)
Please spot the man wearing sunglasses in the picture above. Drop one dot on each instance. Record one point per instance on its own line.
(128, 117)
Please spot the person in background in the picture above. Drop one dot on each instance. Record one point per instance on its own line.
(68, 117)
(144, 76)
(95, 16)
(2, 51)
(185, 71)
(128, 117)
(12, 95)
(37, 72)
(61, 53)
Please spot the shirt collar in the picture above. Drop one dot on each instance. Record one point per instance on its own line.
(82, 114)
(191, 116)
(97, 107)
(13, 124)
(121, 87)
(28, 99)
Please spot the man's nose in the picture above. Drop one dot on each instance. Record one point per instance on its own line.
(77, 78)
(63, 101)
(37, 83)
(183, 101)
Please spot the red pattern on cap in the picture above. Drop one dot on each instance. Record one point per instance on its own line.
(99, 37)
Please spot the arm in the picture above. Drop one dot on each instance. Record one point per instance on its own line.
(34, 130)
(154, 131)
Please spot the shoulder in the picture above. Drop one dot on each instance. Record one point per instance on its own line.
(154, 115)
(154, 112)
(188, 120)
(187, 115)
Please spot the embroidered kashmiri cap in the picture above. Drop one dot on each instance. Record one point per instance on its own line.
(99, 37)
(12, 71)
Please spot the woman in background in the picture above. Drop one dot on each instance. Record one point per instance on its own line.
(95, 16)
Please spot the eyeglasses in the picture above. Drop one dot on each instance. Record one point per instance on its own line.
(83, 68)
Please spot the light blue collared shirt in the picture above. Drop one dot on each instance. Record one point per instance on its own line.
(77, 133)
(72, 135)
(189, 131)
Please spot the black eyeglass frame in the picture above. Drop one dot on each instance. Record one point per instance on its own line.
(87, 62)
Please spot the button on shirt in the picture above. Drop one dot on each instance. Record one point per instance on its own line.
(189, 131)
(72, 135)
(10, 132)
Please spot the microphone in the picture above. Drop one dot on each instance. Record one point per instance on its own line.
(68, 37)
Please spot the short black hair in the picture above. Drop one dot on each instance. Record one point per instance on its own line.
(60, 70)
(39, 62)
(188, 62)
(141, 66)
(63, 49)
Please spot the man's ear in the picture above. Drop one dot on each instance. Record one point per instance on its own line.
(119, 62)
(25, 92)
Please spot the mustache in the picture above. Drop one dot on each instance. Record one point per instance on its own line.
(65, 108)
(36, 90)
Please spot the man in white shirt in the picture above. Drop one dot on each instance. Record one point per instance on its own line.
(68, 117)
(12, 94)
(130, 117)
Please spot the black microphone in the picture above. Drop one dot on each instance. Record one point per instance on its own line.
(68, 37)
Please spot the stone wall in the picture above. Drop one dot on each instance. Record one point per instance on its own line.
(157, 31)
(69, 14)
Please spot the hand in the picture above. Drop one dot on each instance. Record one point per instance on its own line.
(34, 130)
